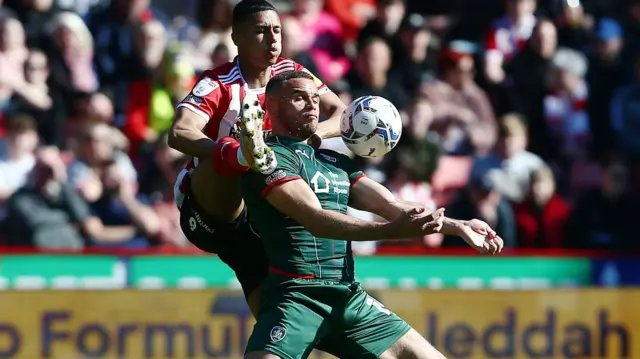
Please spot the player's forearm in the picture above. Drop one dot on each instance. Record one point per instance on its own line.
(329, 128)
(191, 142)
(452, 226)
(338, 226)
(331, 107)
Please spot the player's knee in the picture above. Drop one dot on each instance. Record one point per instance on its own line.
(412, 346)
(261, 355)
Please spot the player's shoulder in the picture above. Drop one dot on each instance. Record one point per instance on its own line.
(284, 64)
(225, 75)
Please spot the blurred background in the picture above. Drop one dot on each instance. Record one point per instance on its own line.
(522, 113)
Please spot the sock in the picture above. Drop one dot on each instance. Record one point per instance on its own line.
(241, 160)
(228, 159)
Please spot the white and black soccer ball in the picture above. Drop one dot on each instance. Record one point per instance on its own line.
(371, 126)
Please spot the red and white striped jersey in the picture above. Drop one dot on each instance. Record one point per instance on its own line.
(505, 38)
(217, 98)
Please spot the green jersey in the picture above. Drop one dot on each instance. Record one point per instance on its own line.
(291, 248)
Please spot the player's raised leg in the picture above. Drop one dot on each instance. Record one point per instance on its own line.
(256, 152)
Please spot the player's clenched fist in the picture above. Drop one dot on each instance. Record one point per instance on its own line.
(481, 236)
(417, 222)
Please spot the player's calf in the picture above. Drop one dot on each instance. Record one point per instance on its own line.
(412, 346)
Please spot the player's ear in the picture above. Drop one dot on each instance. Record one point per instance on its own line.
(234, 37)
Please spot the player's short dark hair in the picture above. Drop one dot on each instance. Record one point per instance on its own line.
(278, 80)
(246, 8)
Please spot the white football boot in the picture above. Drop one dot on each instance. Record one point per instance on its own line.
(258, 155)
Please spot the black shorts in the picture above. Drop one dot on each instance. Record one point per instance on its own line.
(235, 243)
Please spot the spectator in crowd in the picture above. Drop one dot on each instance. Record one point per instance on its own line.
(542, 219)
(48, 110)
(220, 56)
(71, 54)
(321, 35)
(481, 200)
(528, 73)
(511, 165)
(157, 183)
(406, 185)
(604, 218)
(17, 156)
(352, 14)
(107, 180)
(99, 147)
(565, 106)
(462, 114)
(34, 16)
(13, 55)
(48, 213)
(605, 75)
(214, 20)
(113, 29)
(507, 36)
(370, 74)
(292, 45)
(149, 49)
(574, 25)
(385, 24)
(625, 117)
(418, 61)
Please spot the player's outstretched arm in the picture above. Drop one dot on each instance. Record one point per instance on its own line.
(476, 233)
(331, 107)
(186, 134)
(370, 196)
(295, 199)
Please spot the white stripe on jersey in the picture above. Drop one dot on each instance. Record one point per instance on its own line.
(234, 75)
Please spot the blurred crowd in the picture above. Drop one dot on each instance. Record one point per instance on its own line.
(521, 113)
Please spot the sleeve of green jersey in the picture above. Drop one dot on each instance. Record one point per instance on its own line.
(288, 169)
(349, 166)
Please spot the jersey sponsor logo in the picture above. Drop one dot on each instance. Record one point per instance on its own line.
(277, 333)
(329, 158)
(276, 176)
(205, 87)
(322, 184)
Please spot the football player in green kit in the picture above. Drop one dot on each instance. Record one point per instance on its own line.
(300, 212)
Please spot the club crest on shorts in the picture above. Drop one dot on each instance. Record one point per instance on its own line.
(278, 333)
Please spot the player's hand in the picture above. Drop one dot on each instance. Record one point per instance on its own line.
(481, 236)
(417, 222)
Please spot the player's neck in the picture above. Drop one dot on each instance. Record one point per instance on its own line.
(255, 78)
(280, 132)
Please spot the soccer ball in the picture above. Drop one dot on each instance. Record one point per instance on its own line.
(371, 126)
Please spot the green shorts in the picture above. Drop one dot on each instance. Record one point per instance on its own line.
(296, 314)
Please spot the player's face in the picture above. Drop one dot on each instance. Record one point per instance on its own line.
(260, 38)
(299, 107)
